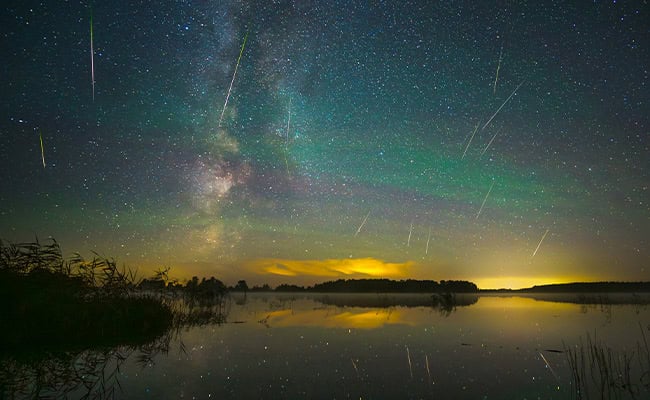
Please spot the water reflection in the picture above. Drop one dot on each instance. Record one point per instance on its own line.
(92, 373)
(63, 371)
(341, 346)
(441, 301)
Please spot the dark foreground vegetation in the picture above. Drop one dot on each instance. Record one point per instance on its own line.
(602, 372)
(67, 324)
(49, 302)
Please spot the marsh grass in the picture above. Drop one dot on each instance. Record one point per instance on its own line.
(48, 302)
(67, 325)
(601, 372)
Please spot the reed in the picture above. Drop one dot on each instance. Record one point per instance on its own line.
(601, 372)
(68, 324)
(48, 301)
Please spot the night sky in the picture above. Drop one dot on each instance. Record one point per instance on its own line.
(505, 143)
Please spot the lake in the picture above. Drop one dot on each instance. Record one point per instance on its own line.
(339, 346)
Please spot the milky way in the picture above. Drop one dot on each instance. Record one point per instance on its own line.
(358, 139)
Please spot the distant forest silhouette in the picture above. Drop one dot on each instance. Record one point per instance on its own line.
(213, 285)
(373, 286)
(584, 287)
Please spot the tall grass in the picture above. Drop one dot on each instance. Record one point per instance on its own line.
(100, 273)
(69, 323)
(601, 372)
(48, 301)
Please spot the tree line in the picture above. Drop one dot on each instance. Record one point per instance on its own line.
(215, 286)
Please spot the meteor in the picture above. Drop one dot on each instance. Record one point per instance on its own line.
(539, 244)
(92, 55)
(470, 140)
(504, 103)
(289, 121)
(496, 78)
(490, 142)
(362, 224)
(241, 51)
(42, 150)
(484, 200)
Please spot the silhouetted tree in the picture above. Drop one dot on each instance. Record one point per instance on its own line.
(241, 286)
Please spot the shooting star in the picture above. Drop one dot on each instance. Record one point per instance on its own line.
(362, 224)
(490, 142)
(496, 78)
(539, 244)
(504, 103)
(470, 140)
(289, 121)
(428, 239)
(42, 150)
(484, 200)
(225, 104)
(408, 242)
(92, 55)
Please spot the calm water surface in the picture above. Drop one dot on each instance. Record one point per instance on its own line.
(315, 347)
(384, 346)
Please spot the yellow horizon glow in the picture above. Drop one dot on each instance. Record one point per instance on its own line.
(523, 282)
(331, 268)
(276, 271)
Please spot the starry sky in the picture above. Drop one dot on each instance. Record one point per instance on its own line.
(503, 143)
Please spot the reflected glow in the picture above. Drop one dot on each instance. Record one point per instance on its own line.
(333, 268)
(519, 303)
(339, 318)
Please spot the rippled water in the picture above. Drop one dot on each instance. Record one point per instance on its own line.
(388, 346)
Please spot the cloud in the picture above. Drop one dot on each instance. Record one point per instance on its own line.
(334, 268)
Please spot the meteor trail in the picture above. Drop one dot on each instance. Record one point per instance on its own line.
(428, 239)
(504, 103)
(241, 51)
(92, 55)
(408, 242)
(496, 78)
(470, 140)
(362, 224)
(539, 244)
(484, 200)
(490, 142)
(42, 150)
(289, 121)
